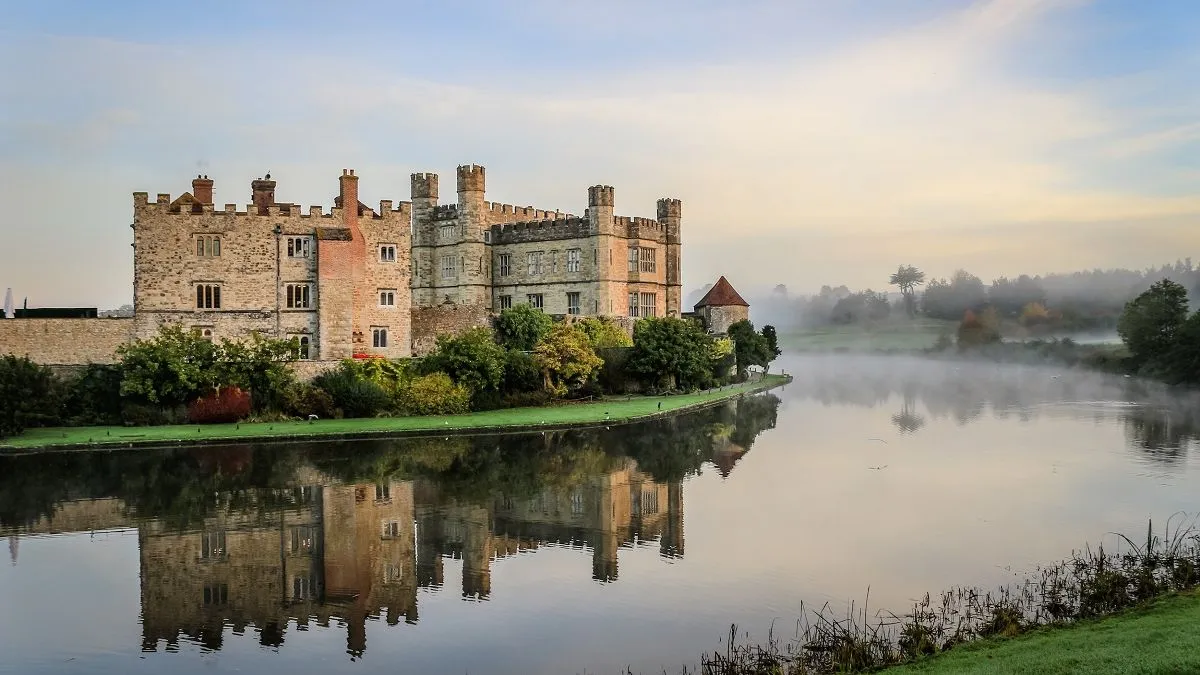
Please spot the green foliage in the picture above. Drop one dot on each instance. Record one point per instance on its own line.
(352, 392)
(861, 307)
(304, 398)
(772, 338)
(614, 376)
(1183, 361)
(169, 369)
(566, 359)
(259, 366)
(751, 348)
(94, 396)
(522, 327)
(671, 353)
(471, 358)
(435, 394)
(907, 278)
(521, 373)
(604, 333)
(1151, 323)
(951, 299)
(29, 395)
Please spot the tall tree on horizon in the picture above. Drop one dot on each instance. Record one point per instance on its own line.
(907, 278)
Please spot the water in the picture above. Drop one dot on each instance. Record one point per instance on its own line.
(585, 551)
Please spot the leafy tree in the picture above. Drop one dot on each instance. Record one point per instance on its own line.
(94, 396)
(259, 366)
(750, 347)
(977, 330)
(859, 307)
(472, 358)
(604, 333)
(435, 394)
(1151, 322)
(172, 368)
(566, 359)
(1183, 361)
(521, 373)
(29, 395)
(772, 338)
(907, 278)
(950, 299)
(522, 327)
(671, 353)
(723, 358)
(1034, 314)
(1011, 297)
(352, 392)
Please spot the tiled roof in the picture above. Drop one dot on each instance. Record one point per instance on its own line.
(721, 295)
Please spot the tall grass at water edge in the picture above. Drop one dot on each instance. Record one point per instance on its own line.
(1089, 584)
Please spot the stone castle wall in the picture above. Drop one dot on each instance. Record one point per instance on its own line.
(430, 322)
(65, 341)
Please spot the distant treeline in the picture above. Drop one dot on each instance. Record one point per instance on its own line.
(1076, 301)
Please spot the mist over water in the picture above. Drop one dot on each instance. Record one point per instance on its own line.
(584, 551)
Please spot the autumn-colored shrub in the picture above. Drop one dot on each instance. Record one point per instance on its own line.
(224, 406)
(435, 394)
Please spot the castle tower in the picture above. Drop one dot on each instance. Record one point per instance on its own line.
(601, 199)
(474, 260)
(424, 190)
(670, 212)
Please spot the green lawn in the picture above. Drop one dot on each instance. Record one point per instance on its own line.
(901, 334)
(616, 410)
(1161, 638)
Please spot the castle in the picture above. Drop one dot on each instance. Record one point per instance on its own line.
(361, 281)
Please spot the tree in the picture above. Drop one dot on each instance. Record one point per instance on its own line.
(859, 307)
(259, 366)
(750, 348)
(1183, 362)
(522, 327)
(566, 359)
(907, 278)
(472, 358)
(772, 338)
(950, 299)
(435, 394)
(29, 395)
(1151, 322)
(671, 353)
(172, 368)
(975, 331)
(604, 333)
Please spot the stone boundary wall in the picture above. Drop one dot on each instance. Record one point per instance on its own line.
(65, 341)
(430, 322)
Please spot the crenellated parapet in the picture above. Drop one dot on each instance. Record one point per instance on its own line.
(508, 213)
(571, 227)
(185, 208)
(639, 228)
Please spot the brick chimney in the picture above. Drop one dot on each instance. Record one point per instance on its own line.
(202, 189)
(263, 194)
(348, 198)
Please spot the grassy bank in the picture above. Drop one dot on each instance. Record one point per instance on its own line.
(596, 412)
(1161, 637)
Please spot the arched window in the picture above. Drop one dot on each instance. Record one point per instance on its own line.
(304, 344)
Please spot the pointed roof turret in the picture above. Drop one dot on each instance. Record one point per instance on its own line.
(721, 294)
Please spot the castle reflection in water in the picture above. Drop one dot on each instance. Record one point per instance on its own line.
(223, 548)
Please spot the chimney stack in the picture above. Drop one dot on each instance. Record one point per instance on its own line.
(263, 194)
(202, 189)
(348, 197)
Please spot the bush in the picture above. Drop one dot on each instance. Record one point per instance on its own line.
(135, 414)
(224, 406)
(29, 395)
(613, 377)
(521, 327)
(94, 397)
(435, 394)
(303, 399)
(472, 358)
(354, 396)
(527, 399)
(521, 373)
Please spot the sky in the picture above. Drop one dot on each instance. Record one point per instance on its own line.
(811, 142)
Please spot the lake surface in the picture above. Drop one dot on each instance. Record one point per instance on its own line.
(581, 551)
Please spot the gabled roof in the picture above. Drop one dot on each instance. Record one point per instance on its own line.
(721, 295)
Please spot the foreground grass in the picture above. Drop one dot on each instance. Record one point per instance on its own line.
(615, 410)
(1163, 637)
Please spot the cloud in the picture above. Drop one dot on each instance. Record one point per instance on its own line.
(920, 133)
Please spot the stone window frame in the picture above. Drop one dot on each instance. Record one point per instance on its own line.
(533, 261)
(649, 304)
(387, 253)
(298, 295)
(633, 304)
(299, 246)
(506, 302)
(536, 300)
(208, 295)
(208, 245)
(379, 337)
(573, 258)
(447, 232)
(215, 594)
(303, 539)
(214, 545)
(648, 259)
(449, 267)
(304, 587)
(633, 258)
(388, 295)
(505, 264)
(204, 331)
(574, 308)
(303, 347)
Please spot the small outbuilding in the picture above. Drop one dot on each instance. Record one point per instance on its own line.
(721, 307)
